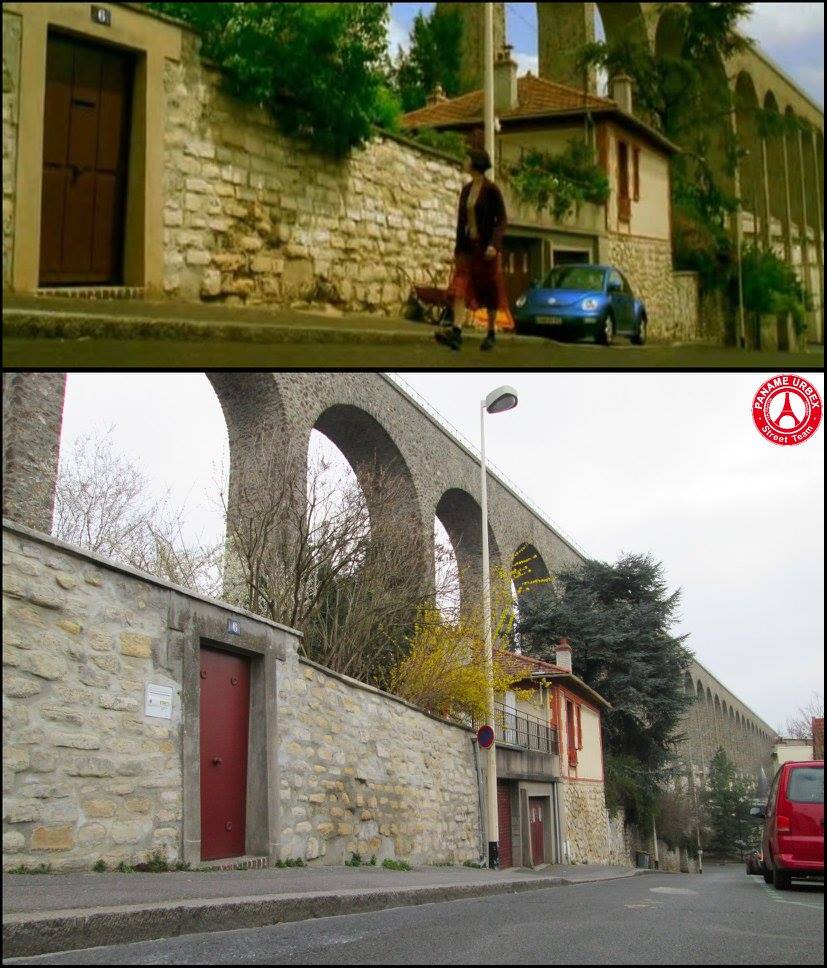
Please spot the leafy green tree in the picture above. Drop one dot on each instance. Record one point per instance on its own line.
(727, 800)
(772, 288)
(433, 58)
(682, 91)
(618, 619)
(322, 68)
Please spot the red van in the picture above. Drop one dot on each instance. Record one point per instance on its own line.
(793, 840)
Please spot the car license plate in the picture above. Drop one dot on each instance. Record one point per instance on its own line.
(550, 320)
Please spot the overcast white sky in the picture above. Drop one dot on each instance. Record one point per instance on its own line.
(667, 463)
(792, 34)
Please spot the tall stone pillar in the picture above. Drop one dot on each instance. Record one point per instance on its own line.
(472, 50)
(32, 421)
(766, 236)
(805, 225)
(819, 228)
(563, 28)
(788, 233)
(788, 205)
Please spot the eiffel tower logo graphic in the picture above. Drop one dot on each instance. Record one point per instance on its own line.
(787, 411)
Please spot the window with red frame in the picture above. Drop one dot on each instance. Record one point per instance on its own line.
(579, 729)
(624, 202)
(571, 736)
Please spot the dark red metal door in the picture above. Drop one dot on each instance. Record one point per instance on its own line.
(85, 147)
(535, 812)
(504, 821)
(225, 712)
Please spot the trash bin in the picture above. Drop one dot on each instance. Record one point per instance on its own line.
(642, 860)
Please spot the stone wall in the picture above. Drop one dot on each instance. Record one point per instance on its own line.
(362, 772)
(11, 84)
(647, 264)
(85, 774)
(622, 839)
(586, 834)
(686, 307)
(252, 216)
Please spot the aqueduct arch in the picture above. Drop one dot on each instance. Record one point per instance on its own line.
(372, 419)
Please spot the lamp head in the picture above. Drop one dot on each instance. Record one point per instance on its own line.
(502, 399)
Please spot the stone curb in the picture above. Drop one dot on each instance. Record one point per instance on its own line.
(26, 935)
(24, 323)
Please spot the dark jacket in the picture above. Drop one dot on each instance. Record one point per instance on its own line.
(491, 218)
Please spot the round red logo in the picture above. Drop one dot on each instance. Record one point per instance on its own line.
(787, 410)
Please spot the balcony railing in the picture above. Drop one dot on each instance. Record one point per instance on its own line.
(518, 729)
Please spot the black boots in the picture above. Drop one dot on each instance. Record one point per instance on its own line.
(452, 340)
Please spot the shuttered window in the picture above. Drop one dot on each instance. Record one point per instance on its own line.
(636, 173)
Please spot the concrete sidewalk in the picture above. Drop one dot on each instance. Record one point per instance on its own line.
(58, 912)
(70, 318)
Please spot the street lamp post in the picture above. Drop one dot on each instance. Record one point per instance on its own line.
(498, 401)
(490, 145)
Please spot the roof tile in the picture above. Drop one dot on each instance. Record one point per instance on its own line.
(535, 96)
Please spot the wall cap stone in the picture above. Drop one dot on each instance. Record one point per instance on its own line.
(141, 8)
(425, 149)
(13, 527)
(366, 687)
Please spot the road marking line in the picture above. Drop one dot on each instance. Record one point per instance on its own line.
(777, 896)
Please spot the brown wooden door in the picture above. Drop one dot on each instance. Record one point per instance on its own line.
(225, 713)
(85, 147)
(535, 812)
(504, 822)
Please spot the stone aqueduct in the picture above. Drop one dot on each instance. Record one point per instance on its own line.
(780, 180)
(373, 421)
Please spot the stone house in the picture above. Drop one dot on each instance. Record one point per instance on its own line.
(551, 799)
(632, 231)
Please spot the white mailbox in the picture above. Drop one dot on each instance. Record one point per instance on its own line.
(158, 701)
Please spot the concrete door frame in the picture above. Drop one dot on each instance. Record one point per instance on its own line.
(152, 41)
(200, 623)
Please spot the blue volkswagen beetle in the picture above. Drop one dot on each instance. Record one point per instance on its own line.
(582, 300)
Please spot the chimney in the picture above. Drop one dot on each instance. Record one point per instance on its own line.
(622, 92)
(563, 658)
(505, 81)
(437, 96)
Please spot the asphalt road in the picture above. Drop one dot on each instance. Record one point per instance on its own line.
(722, 917)
(508, 355)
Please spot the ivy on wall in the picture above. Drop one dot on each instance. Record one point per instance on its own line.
(561, 182)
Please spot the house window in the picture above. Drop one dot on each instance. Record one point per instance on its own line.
(636, 172)
(571, 737)
(624, 201)
(579, 730)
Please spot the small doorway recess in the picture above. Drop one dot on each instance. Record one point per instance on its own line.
(224, 717)
(538, 848)
(85, 152)
(571, 257)
(504, 823)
